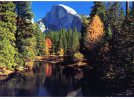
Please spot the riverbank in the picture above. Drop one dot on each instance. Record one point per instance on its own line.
(4, 73)
(53, 59)
(56, 58)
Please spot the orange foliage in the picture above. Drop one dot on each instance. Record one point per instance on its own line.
(48, 43)
(95, 32)
(48, 70)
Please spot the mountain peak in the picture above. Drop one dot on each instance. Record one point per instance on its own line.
(61, 16)
(69, 9)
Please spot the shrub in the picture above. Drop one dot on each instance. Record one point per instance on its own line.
(61, 52)
(78, 56)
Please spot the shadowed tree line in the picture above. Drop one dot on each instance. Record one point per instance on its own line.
(108, 42)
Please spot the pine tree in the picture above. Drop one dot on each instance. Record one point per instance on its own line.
(100, 10)
(69, 39)
(55, 42)
(132, 11)
(75, 40)
(25, 39)
(7, 34)
(60, 43)
(124, 48)
(85, 23)
(40, 41)
(64, 40)
(115, 15)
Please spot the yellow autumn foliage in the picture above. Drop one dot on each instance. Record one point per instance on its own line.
(95, 32)
(47, 51)
(61, 52)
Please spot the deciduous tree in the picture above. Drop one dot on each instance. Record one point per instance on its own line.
(95, 33)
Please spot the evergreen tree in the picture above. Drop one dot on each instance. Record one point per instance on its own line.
(25, 39)
(115, 15)
(55, 42)
(64, 40)
(132, 11)
(60, 43)
(75, 40)
(85, 23)
(69, 39)
(100, 10)
(124, 48)
(40, 40)
(7, 34)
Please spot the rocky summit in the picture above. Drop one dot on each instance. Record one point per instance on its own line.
(59, 17)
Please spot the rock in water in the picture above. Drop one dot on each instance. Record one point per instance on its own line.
(61, 16)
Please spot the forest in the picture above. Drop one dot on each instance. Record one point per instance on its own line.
(106, 41)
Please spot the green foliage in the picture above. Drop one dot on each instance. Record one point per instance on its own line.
(99, 9)
(68, 40)
(124, 45)
(47, 51)
(25, 37)
(85, 23)
(75, 41)
(132, 11)
(115, 15)
(40, 40)
(7, 34)
(109, 33)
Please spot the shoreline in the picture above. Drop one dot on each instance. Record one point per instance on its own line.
(53, 59)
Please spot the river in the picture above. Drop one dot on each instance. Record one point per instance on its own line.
(55, 80)
(44, 80)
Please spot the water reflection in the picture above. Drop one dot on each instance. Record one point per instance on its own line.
(48, 69)
(45, 80)
(55, 80)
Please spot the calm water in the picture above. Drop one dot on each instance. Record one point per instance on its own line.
(45, 80)
(54, 80)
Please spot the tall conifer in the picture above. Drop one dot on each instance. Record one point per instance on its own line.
(7, 34)
(25, 37)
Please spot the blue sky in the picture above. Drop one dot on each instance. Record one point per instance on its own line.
(40, 8)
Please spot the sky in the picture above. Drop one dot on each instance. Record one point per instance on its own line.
(40, 8)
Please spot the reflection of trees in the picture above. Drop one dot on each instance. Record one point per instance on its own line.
(39, 73)
(18, 85)
(26, 84)
(48, 69)
(61, 81)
